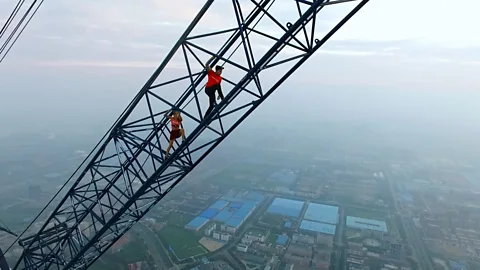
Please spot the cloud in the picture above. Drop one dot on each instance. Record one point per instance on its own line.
(104, 42)
(391, 49)
(144, 45)
(97, 64)
(107, 64)
(426, 22)
(126, 35)
(49, 37)
(347, 53)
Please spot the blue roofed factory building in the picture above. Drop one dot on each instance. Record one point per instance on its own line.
(224, 215)
(235, 205)
(231, 211)
(282, 240)
(219, 205)
(234, 222)
(209, 213)
(366, 224)
(244, 211)
(322, 213)
(286, 207)
(313, 226)
(238, 217)
(318, 218)
(197, 223)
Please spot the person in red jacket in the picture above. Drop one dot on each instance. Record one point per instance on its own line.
(177, 131)
(213, 84)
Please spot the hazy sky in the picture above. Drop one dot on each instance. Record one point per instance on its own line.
(395, 59)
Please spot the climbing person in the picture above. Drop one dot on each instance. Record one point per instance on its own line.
(177, 131)
(213, 85)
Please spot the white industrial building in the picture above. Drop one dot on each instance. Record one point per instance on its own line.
(222, 236)
(210, 229)
(256, 237)
(242, 248)
(231, 229)
(303, 238)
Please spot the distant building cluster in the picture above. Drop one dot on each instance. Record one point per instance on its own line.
(226, 215)
(363, 255)
(215, 265)
(319, 218)
(312, 226)
(289, 226)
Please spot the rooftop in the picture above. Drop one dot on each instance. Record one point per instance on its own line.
(255, 232)
(244, 211)
(197, 223)
(369, 224)
(318, 227)
(234, 222)
(286, 207)
(282, 240)
(224, 215)
(322, 213)
(209, 213)
(219, 205)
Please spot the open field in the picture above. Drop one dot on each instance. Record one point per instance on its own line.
(211, 244)
(179, 219)
(184, 243)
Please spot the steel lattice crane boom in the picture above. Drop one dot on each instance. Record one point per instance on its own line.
(129, 174)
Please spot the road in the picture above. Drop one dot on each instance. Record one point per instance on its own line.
(229, 259)
(413, 237)
(416, 240)
(338, 237)
(151, 240)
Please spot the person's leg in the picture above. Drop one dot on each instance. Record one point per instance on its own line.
(182, 132)
(211, 100)
(169, 147)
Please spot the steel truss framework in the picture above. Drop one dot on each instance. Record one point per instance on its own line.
(3, 261)
(129, 174)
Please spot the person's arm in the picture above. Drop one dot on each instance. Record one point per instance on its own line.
(207, 64)
(167, 114)
(220, 94)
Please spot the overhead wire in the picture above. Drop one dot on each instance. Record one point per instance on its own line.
(101, 140)
(11, 17)
(70, 178)
(91, 152)
(6, 228)
(12, 34)
(4, 29)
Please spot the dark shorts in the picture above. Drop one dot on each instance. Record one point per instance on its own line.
(175, 134)
(211, 90)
